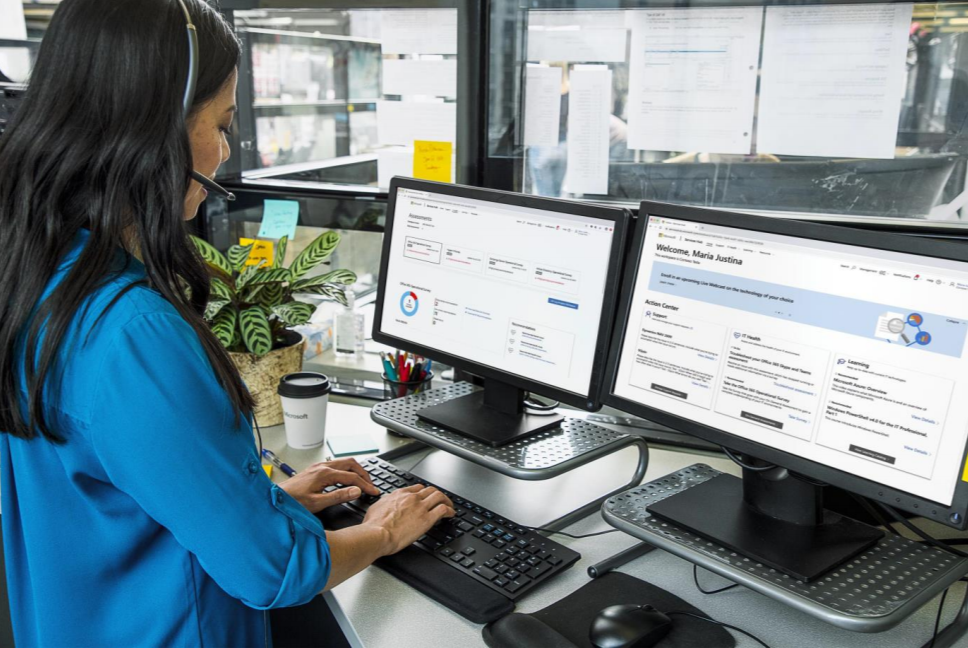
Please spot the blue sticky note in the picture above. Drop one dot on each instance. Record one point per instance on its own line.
(279, 219)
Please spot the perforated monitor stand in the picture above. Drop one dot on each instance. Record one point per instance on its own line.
(495, 415)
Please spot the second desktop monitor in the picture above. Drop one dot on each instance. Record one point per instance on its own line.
(518, 290)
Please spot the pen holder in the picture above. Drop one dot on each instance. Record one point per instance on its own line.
(398, 388)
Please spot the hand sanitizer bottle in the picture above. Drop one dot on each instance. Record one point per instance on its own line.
(348, 329)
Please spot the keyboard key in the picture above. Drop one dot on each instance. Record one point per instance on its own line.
(499, 544)
(486, 573)
(459, 513)
(523, 544)
(469, 551)
(430, 543)
(478, 509)
(372, 460)
(554, 560)
(488, 538)
(468, 562)
(446, 551)
(512, 574)
(500, 520)
(520, 530)
(457, 557)
(524, 568)
(464, 526)
(514, 586)
(476, 521)
(534, 560)
(542, 554)
(532, 549)
(488, 528)
(329, 489)
(499, 532)
(501, 568)
(509, 538)
(538, 570)
(511, 549)
(500, 582)
(486, 514)
(491, 563)
(501, 557)
(479, 533)
(512, 562)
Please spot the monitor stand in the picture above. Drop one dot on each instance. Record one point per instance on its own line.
(495, 415)
(771, 517)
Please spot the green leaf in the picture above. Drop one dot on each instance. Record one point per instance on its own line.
(212, 256)
(328, 290)
(224, 326)
(294, 313)
(213, 308)
(317, 252)
(219, 288)
(271, 294)
(239, 254)
(255, 331)
(342, 277)
(280, 252)
(274, 275)
(248, 275)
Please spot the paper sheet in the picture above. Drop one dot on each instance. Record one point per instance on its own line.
(576, 43)
(833, 79)
(542, 105)
(692, 79)
(405, 77)
(418, 31)
(589, 108)
(402, 122)
(393, 161)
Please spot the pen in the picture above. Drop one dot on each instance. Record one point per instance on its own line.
(274, 460)
(388, 368)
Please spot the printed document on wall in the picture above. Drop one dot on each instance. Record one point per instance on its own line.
(833, 79)
(402, 122)
(581, 36)
(542, 105)
(418, 31)
(406, 77)
(589, 110)
(692, 79)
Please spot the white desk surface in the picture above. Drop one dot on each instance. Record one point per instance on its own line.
(386, 612)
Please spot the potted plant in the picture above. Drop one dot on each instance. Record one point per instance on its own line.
(252, 309)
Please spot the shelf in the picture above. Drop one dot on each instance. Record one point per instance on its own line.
(872, 592)
(542, 456)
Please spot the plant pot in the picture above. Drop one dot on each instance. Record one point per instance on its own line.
(261, 375)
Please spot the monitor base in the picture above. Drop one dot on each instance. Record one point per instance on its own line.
(472, 417)
(716, 509)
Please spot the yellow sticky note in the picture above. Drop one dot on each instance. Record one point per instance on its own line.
(260, 250)
(432, 160)
(268, 469)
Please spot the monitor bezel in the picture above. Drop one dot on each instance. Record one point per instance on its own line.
(921, 246)
(618, 218)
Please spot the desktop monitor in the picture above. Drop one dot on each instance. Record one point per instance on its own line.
(835, 355)
(518, 290)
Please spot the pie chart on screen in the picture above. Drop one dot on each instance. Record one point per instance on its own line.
(409, 303)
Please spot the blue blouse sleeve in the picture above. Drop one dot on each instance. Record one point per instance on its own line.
(164, 431)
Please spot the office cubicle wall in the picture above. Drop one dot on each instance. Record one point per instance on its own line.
(835, 111)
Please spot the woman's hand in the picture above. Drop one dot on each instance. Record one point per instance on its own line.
(306, 487)
(406, 514)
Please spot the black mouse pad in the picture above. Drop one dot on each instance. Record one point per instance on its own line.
(570, 618)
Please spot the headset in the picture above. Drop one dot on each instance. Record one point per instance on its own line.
(190, 97)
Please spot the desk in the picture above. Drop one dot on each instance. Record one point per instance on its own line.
(385, 612)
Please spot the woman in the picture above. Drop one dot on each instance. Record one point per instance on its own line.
(135, 511)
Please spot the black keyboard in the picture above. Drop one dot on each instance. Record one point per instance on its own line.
(489, 548)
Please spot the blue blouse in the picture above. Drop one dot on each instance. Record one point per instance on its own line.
(154, 524)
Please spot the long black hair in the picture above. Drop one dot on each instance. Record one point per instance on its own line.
(100, 142)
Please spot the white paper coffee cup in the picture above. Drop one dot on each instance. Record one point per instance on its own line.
(304, 398)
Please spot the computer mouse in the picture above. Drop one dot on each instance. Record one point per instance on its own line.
(629, 626)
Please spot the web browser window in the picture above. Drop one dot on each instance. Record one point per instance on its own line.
(514, 288)
(847, 356)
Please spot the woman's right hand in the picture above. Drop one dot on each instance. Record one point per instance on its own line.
(407, 513)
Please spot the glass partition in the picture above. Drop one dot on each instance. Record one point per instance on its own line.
(839, 112)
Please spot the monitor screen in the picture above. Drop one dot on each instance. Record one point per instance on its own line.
(516, 289)
(848, 356)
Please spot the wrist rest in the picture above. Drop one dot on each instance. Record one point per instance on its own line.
(431, 577)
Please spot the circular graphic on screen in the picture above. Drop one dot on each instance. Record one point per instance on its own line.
(915, 319)
(409, 303)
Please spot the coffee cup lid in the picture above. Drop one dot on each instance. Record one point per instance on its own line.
(305, 384)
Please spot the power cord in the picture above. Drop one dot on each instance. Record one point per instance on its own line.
(571, 535)
(695, 579)
(738, 461)
(720, 623)
(541, 409)
(937, 619)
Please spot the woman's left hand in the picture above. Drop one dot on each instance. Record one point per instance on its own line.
(306, 487)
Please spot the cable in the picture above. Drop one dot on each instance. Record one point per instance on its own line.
(930, 540)
(571, 535)
(725, 625)
(729, 453)
(537, 408)
(695, 579)
(259, 433)
(937, 619)
(874, 513)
